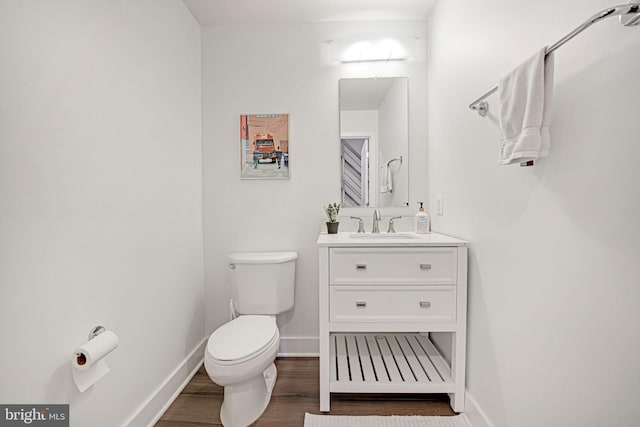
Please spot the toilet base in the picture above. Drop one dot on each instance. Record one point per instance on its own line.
(244, 402)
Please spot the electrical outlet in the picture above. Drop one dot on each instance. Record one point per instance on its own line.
(439, 209)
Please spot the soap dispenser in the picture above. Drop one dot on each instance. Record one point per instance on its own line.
(423, 225)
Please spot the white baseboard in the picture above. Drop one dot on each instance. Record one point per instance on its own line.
(474, 413)
(299, 347)
(159, 401)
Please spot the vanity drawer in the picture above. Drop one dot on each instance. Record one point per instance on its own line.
(385, 266)
(391, 304)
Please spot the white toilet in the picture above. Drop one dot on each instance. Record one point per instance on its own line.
(240, 354)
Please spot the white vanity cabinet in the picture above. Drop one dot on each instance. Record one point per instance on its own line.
(378, 300)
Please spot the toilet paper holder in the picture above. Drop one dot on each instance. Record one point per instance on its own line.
(96, 331)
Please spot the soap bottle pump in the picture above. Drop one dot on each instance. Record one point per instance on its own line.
(423, 225)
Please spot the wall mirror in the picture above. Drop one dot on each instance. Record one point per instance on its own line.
(374, 142)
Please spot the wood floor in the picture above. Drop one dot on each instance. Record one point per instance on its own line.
(295, 393)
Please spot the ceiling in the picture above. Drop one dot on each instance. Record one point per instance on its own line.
(214, 12)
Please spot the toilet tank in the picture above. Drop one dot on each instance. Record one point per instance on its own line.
(262, 282)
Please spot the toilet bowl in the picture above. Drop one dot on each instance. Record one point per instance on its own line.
(240, 356)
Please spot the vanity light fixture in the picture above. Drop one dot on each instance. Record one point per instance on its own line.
(372, 47)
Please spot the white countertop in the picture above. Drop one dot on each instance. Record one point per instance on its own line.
(403, 238)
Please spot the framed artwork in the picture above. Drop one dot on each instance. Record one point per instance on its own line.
(264, 146)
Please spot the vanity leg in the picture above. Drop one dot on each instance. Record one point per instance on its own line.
(457, 402)
(324, 335)
(458, 364)
(325, 396)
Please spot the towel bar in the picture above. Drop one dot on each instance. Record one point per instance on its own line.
(629, 16)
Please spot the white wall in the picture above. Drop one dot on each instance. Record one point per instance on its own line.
(553, 317)
(100, 199)
(284, 69)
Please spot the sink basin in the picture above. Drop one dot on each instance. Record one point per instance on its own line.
(383, 236)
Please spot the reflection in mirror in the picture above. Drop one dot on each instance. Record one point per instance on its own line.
(374, 142)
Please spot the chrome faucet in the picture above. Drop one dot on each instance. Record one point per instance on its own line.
(376, 219)
(360, 224)
(391, 228)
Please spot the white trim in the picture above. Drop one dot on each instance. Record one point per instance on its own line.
(299, 347)
(475, 415)
(159, 401)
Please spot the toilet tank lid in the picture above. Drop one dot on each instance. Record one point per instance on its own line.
(262, 257)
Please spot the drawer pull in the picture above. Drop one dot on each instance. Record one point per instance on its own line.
(425, 266)
(361, 266)
(425, 304)
(361, 303)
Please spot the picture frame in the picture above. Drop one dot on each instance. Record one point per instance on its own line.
(264, 146)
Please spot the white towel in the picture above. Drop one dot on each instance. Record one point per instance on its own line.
(525, 110)
(389, 179)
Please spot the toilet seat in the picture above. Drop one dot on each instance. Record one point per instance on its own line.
(242, 339)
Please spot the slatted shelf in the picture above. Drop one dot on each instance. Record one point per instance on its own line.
(387, 363)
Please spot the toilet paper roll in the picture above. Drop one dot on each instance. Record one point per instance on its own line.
(88, 364)
(94, 350)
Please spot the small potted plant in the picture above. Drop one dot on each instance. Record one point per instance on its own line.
(332, 210)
